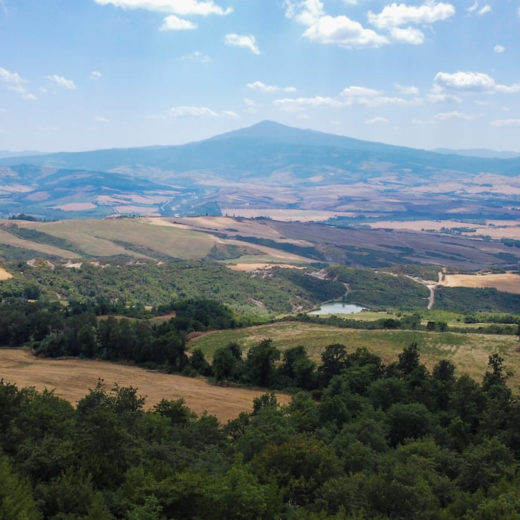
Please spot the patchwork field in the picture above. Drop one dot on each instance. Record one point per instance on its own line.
(469, 352)
(506, 282)
(72, 378)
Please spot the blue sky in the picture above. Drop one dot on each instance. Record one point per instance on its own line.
(85, 74)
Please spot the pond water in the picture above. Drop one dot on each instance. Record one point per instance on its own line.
(337, 308)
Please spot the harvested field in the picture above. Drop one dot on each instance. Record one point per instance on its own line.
(257, 267)
(507, 282)
(72, 378)
(4, 275)
(469, 352)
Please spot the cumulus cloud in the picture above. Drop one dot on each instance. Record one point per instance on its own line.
(471, 82)
(247, 41)
(60, 81)
(16, 83)
(506, 122)
(377, 121)
(268, 89)
(199, 111)
(95, 75)
(407, 35)
(180, 7)
(344, 32)
(484, 10)
(174, 23)
(499, 49)
(398, 19)
(396, 15)
(333, 30)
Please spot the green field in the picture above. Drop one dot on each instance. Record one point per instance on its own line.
(469, 352)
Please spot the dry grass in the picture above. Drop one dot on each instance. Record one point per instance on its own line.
(12, 240)
(72, 378)
(4, 275)
(469, 352)
(96, 237)
(507, 282)
(256, 267)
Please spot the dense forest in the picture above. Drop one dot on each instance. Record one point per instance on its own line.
(370, 441)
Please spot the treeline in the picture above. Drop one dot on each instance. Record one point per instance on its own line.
(55, 331)
(375, 442)
(127, 284)
(494, 324)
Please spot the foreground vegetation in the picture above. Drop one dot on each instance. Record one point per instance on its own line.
(373, 441)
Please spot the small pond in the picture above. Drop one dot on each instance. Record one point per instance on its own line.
(337, 308)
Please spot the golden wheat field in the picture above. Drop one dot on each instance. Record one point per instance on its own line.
(71, 379)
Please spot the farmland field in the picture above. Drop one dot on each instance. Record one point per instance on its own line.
(469, 352)
(72, 378)
(506, 282)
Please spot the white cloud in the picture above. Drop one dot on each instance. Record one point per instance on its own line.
(377, 121)
(472, 8)
(306, 12)
(349, 96)
(180, 7)
(10, 77)
(440, 97)
(344, 32)
(174, 23)
(15, 83)
(95, 75)
(61, 81)
(247, 41)
(396, 15)
(355, 95)
(476, 81)
(268, 89)
(506, 122)
(448, 116)
(197, 56)
(484, 10)
(200, 111)
(302, 103)
(407, 90)
(101, 119)
(407, 35)
(499, 49)
(333, 30)
(471, 82)
(230, 114)
(192, 111)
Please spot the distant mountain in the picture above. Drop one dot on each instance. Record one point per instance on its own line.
(265, 166)
(267, 147)
(479, 152)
